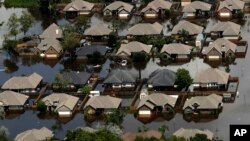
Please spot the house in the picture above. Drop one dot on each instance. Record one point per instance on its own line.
(52, 32)
(196, 9)
(176, 51)
(156, 8)
(120, 79)
(188, 133)
(61, 103)
(127, 50)
(118, 8)
(191, 28)
(24, 84)
(49, 48)
(185, 2)
(102, 104)
(228, 30)
(35, 135)
(131, 136)
(98, 32)
(78, 7)
(211, 78)
(219, 49)
(87, 51)
(204, 105)
(161, 79)
(155, 103)
(13, 101)
(229, 8)
(143, 29)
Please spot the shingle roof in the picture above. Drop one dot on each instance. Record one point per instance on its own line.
(193, 29)
(162, 77)
(119, 77)
(146, 29)
(103, 102)
(35, 135)
(119, 5)
(47, 43)
(98, 30)
(134, 46)
(212, 75)
(77, 78)
(10, 98)
(131, 136)
(187, 133)
(156, 5)
(228, 28)
(53, 31)
(232, 4)
(176, 48)
(90, 49)
(23, 82)
(79, 5)
(197, 5)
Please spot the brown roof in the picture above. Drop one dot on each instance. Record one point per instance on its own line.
(53, 31)
(134, 46)
(47, 43)
(105, 102)
(98, 30)
(197, 5)
(119, 5)
(156, 5)
(10, 98)
(176, 48)
(227, 28)
(187, 133)
(35, 135)
(232, 4)
(79, 5)
(131, 136)
(193, 29)
(146, 29)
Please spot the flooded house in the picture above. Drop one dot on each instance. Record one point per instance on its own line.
(188, 133)
(131, 136)
(196, 9)
(52, 32)
(99, 32)
(87, 51)
(61, 103)
(229, 9)
(176, 51)
(35, 135)
(24, 84)
(118, 8)
(78, 7)
(49, 49)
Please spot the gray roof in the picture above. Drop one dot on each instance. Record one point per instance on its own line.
(131, 47)
(227, 28)
(23, 82)
(10, 98)
(176, 48)
(90, 49)
(35, 135)
(62, 99)
(98, 30)
(120, 76)
(232, 5)
(203, 102)
(162, 77)
(157, 99)
(79, 5)
(77, 78)
(146, 29)
(193, 29)
(119, 5)
(47, 43)
(212, 75)
(156, 5)
(53, 31)
(187, 133)
(197, 5)
(103, 102)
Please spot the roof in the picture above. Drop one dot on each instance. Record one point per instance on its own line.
(204, 102)
(134, 46)
(193, 29)
(232, 4)
(211, 75)
(227, 28)
(145, 29)
(23, 82)
(10, 98)
(197, 5)
(156, 5)
(131, 136)
(61, 99)
(98, 30)
(77, 78)
(35, 135)
(157, 99)
(90, 49)
(120, 76)
(162, 77)
(119, 5)
(221, 45)
(187, 133)
(176, 48)
(47, 43)
(103, 102)
(53, 31)
(79, 5)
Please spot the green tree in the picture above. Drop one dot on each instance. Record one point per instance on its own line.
(163, 128)
(40, 106)
(199, 137)
(174, 138)
(82, 23)
(115, 117)
(184, 35)
(71, 42)
(139, 56)
(112, 40)
(26, 20)
(183, 78)
(61, 82)
(13, 25)
(146, 139)
(96, 57)
(86, 89)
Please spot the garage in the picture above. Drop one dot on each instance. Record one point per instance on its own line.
(226, 15)
(213, 57)
(64, 113)
(123, 16)
(144, 113)
(84, 13)
(51, 56)
(151, 15)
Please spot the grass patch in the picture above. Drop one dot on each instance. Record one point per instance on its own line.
(22, 3)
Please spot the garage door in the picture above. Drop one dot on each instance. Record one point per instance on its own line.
(51, 56)
(123, 15)
(151, 15)
(214, 57)
(145, 113)
(225, 14)
(64, 113)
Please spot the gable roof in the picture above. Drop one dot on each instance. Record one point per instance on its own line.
(187, 133)
(133, 46)
(162, 77)
(131, 136)
(176, 48)
(228, 28)
(192, 29)
(231, 5)
(47, 43)
(23, 82)
(77, 78)
(211, 75)
(120, 76)
(197, 5)
(119, 5)
(35, 135)
(10, 98)
(79, 5)
(98, 30)
(103, 102)
(53, 31)
(146, 29)
(90, 49)
(156, 5)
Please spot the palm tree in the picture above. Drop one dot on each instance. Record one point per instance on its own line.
(163, 128)
(183, 34)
